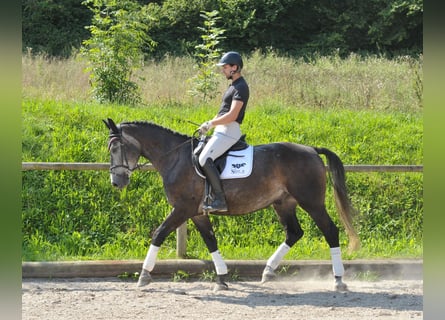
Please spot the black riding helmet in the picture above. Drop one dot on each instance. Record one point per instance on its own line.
(232, 58)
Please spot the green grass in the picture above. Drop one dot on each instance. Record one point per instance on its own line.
(71, 215)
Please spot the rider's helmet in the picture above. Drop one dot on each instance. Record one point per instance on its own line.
(232, 58)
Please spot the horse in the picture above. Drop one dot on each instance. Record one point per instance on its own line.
(284, 175)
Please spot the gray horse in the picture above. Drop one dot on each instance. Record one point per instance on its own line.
(284, 175)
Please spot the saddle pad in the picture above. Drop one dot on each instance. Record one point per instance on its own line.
(239, 164)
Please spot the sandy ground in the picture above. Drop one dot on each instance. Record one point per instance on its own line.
(108, 298)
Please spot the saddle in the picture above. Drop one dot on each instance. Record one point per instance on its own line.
(236, 168)
(221, 161)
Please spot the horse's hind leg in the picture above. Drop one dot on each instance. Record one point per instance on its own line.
(330, 232)
(286, 213)
(204, 226)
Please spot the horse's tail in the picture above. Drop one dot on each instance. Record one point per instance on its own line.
(342, 202)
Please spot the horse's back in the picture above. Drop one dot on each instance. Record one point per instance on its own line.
(287, 158)
(284, 150)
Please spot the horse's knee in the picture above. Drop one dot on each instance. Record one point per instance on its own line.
(293, 237)
(159, 236)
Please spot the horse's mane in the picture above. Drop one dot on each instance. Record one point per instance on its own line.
(151, 124)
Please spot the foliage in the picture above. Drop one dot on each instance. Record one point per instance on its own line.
(114, 49)
(299, 28)
(384, 31)
(174, 25)
(204, 83)
(78, 215)
(54, 27)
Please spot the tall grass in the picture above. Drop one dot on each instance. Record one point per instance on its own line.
(354, 83)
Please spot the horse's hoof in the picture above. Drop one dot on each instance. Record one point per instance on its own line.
(144, 278)
(220, 283)
(220, 287)
(268, 275)
(339, 285)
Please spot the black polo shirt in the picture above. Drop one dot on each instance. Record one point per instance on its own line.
(238, 90)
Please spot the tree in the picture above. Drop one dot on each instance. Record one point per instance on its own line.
(399, 26)
(205, 82)
(54, 27)
(114, 50)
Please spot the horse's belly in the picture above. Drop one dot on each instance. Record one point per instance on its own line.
(251, 199)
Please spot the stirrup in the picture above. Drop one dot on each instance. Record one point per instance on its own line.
(220, 206)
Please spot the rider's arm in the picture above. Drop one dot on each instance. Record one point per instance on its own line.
(229, 116)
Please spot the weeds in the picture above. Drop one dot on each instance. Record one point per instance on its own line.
(180, 275)
(208, 276)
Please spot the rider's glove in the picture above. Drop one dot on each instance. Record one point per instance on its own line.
(206, 126)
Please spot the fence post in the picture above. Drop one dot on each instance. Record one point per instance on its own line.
(181, 240)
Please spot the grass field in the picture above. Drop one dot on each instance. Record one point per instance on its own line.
(368, 111)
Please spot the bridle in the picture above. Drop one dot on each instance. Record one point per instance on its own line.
(117, 137)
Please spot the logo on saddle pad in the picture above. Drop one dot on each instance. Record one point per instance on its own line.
(238, 164)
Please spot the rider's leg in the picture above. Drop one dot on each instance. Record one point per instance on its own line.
(223, 138)
(218, 202)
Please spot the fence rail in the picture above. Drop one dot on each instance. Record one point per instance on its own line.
(27, 166)
(181, 232)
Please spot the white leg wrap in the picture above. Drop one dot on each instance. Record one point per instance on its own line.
(337, 264)
(278, 255)
(150, 259)
(220, 265)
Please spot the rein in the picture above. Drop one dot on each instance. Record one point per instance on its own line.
(118, 137)
(178, 146)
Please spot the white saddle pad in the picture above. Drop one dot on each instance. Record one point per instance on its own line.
(239, 164)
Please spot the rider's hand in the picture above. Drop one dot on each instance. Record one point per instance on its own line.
(206, 126)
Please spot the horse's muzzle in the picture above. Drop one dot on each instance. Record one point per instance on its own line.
(119, 181)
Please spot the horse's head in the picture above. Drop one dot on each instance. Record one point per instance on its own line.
(124, 155)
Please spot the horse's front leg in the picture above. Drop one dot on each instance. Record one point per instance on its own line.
(173, 221)
(204, 226)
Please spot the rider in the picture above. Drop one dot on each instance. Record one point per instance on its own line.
(227, 126)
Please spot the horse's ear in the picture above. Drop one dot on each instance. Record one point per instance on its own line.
(111, 125)
(106, 123)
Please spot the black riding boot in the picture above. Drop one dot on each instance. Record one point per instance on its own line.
(219, 200)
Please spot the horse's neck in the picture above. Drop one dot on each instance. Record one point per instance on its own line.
(160, 146)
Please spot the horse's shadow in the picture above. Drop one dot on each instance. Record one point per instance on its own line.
(379, 300)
